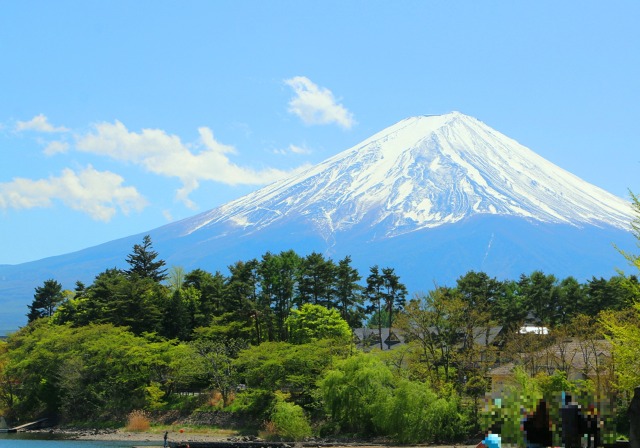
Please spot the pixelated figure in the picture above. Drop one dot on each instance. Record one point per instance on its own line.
(573, 423)
(537, 427)
(633, 413)
(592, 421)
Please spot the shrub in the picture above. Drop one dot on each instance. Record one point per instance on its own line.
(252, 401)
(138, 421)
(288, 421)
(415, 414)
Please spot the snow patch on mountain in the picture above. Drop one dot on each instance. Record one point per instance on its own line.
(424, 172)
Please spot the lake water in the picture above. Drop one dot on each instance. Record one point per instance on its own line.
(29, 441)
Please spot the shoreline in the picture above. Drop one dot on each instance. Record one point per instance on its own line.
(191, 436)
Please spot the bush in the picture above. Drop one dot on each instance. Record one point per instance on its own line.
(252, 401)
(415, 414)
(288, 421)
(138, 421)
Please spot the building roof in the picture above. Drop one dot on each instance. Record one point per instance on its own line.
(569, 354)
(391, 337)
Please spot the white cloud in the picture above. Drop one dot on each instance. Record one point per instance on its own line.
(56, 148)
(97, 193)
(292, 149)
(39, 123)
(166, 155)
(299, 149)
(317, 105)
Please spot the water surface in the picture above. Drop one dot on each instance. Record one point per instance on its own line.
(22, 440)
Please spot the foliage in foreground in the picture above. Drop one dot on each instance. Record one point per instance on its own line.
(363, 396)
(288, 421)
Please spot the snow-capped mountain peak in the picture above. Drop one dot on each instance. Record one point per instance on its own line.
(423, 172)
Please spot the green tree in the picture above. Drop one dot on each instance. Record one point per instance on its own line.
(480, 293)
(217, 357)
(634, 259)
(542, 296)
(211, 295)
(178, 316)
(374, 293)
(288, 420)
(348, 293)
(571, 298)
(278, 276)
(394, 293)
(353, 391)
(45, 300)
(176, 278)
(623, 327)
(413, 413)
(511, 308)
(241, 294)
(143, 263)
(314, 322)
(617, 293)
(362, 395)
(83, 373)
(316, 278)
(435, 323)
(273, 366)
(116, 298)
(8, 384)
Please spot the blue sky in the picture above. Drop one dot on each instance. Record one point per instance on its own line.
(117, 117)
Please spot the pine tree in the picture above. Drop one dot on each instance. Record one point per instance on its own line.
(45, 300)
(143, 264)
(374, 293)
(394, 292)
(316, 281)
(349, 293)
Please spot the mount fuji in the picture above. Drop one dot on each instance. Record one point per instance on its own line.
(431, 196)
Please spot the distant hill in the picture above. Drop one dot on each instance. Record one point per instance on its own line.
(431, 196)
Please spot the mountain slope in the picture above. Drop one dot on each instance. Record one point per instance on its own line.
(421, 173)
(432, 196)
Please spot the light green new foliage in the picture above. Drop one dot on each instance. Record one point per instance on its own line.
(414, 414)
(623, 328)
(288, 420)
(311, 323)
(363, 396)
(624, 334)
(353, 392)
(154, 395)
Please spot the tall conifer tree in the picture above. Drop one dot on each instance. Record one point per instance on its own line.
(143, 262)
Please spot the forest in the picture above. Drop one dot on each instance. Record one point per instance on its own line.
(273, 339)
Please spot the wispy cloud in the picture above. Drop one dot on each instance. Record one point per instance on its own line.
(317, 105)
(56, 147)
(299, 149)
(97, 193)
(39, 123)
(166, 155)
(293, 149)
(167, 215)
